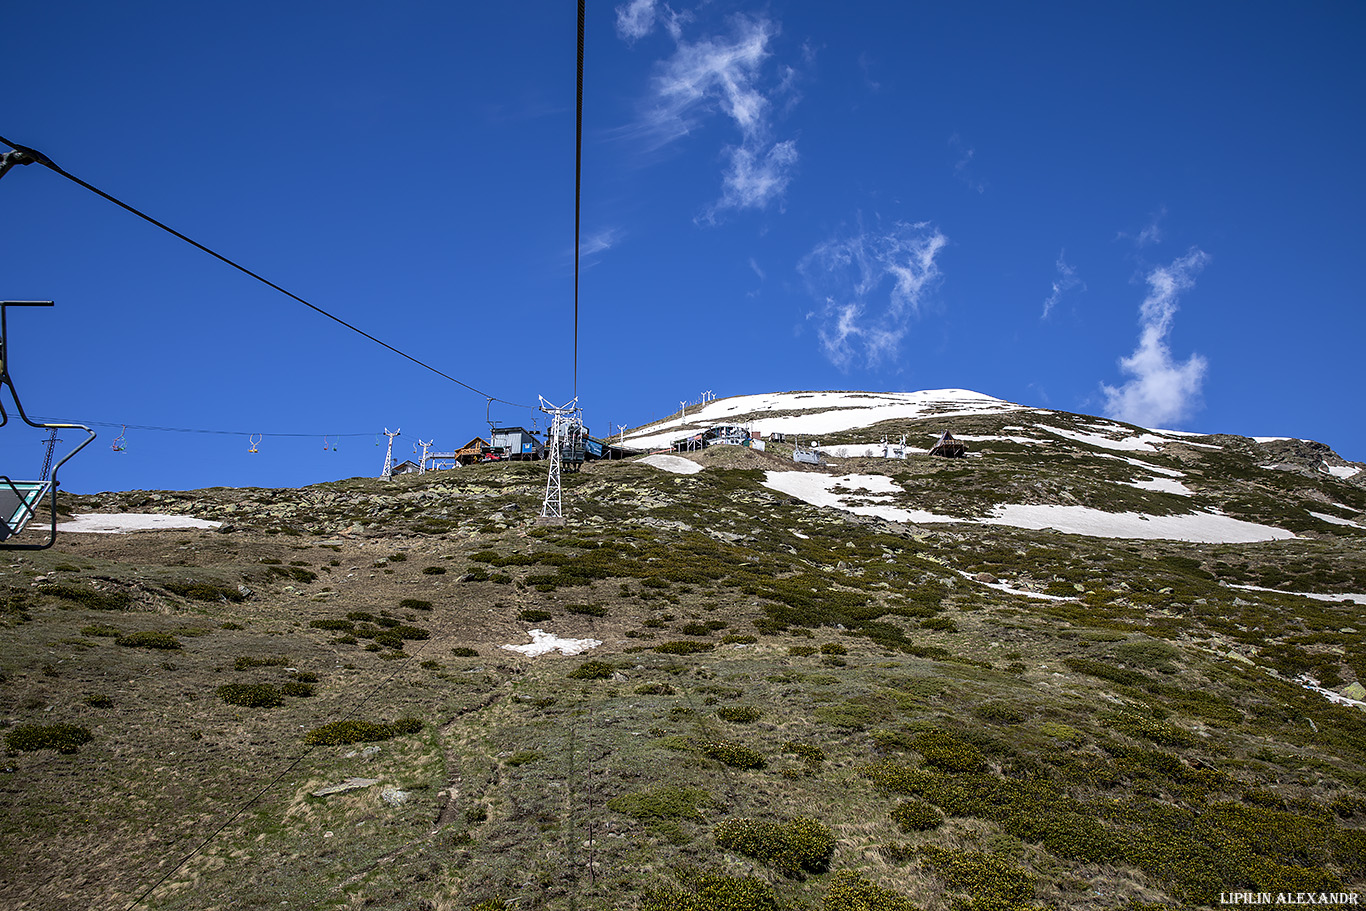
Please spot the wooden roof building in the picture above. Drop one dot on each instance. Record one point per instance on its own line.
(948, 447)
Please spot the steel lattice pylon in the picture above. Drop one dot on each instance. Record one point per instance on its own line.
(389, 454)
(564, 421)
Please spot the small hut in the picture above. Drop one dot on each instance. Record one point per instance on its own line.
(472, 451)
(948, 447)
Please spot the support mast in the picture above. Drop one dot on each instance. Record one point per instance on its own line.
(389, 453)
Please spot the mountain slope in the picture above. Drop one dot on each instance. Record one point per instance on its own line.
(792, 705)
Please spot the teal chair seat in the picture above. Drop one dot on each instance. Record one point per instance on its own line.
(18, 502)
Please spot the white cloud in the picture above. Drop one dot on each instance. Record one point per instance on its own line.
(753, 264)
(724, 75)
(636, 19)
(1161, 391)
(1066, 281)
(752, 180)
(870, 286)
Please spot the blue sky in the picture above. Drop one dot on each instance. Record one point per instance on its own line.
(1148, 211)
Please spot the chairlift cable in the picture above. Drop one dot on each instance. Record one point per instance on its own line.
(231, 433)
(40, 158)
(578, 193)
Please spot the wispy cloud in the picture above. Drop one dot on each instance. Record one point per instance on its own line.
(599, 242)
(1160, 391)
(1149, 234)
(638, 18)
(962, 165)
(725, 75)
(869, 288)
(1066, 281)
(865, 64)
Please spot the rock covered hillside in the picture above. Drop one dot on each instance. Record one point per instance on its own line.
(1093, 666)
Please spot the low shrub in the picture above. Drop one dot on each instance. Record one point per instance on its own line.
(654, 689)
(245, 662)
(812, 754)
(464, 651)
(389, 639)
(149, 639)
(403, 631)
(916, 816)
(100, 629)
(849, 891)
(991, 881)
(833, 648)
(683, 647)
(64, 738)
(398, 557)
(89, 597)
(99, 701)
(251, 695)
(733, 754)
(738, 714)
(433, 570)
(342, 626)
(535, 616)
(339, 733)
(1161, 733)
(943, 624)
(414, 603)
(898, 778)
(713, 892)
(695, 629)
(943, 750)
(793, 848)
(739, 639)
(296, 687)
(999, 712)
(592, 670)
(801, 651)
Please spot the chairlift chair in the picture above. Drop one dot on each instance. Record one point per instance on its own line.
(19, 500)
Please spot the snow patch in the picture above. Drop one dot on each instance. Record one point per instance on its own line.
(1141, 443)
(120, 523)
(859, 494)
(543, 643)
(1009, 590)
(1199, 528)
(1342, 471)
(1335, 520)
(1163, 485)
(1342, 599)
(836, 492)
(676, 464)
(1337, 698)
